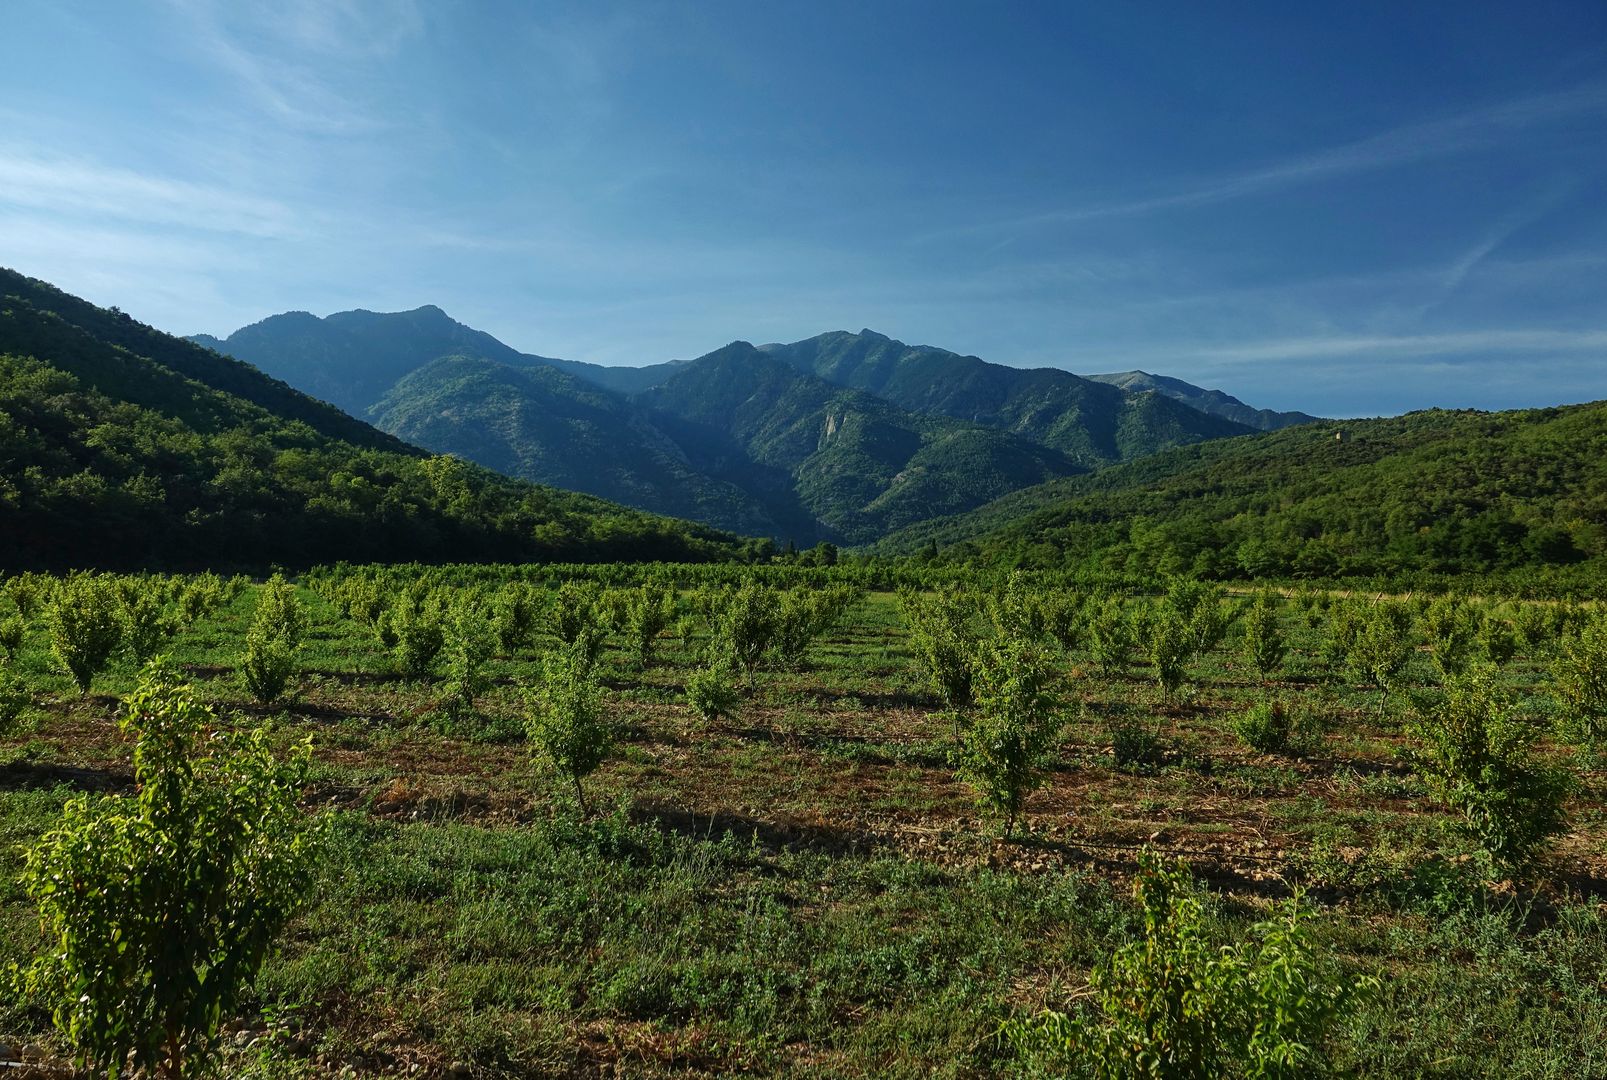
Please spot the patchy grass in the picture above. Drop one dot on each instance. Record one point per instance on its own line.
(807, 889)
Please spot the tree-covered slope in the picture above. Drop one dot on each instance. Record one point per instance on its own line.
(110, 456)
(109, 351)
(540, 423)
(861, 465)
(1214, 402)
(1091, 422)
(1429, 492)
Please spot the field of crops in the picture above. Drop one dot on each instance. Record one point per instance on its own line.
(669, 821)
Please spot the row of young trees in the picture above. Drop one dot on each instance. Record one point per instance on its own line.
(226, 854)
(997, 661)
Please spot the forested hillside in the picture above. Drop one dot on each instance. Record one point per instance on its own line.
(1214, 402)
(1090, 422)
(860, 465)
(122, 446)
(539, 422)
(1432, 492)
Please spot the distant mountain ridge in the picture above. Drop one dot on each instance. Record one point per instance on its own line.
(124, 447)
(841, 436)
(1214, 402)
(1091, 422)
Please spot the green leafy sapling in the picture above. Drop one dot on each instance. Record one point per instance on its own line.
(566, 722)
(85, 630)
(160, 907)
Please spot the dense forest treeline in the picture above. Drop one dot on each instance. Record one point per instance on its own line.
(175, 457)
(1515, 496)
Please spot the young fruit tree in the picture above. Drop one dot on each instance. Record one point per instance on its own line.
(566, 723)
(944, 641)
(1173, 1003)
(271, 643)
(1477, 756)
(1016, 723)
(84, 626)
(159, 908)
(1263, 641)
(471, 639)
(1580, 671)
(712, 691)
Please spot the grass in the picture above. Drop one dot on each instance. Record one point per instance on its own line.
(807, 889)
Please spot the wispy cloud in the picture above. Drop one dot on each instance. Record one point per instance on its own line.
(1405, 345)
(77, 187)
(1473, 129)
(293, 57)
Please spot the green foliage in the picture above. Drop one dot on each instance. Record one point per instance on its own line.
(201, 596)
(514, 616)
(1015, 725)
(748, 622)
(1340, 631)
(1580, 673)
(273, 641)
(1063, 618)
(1497, 639)
(943, 641)
(1477, 756)
(13, 629)
(712, 693)
(576, 617)
(148, 623)
(159, 908)
(1453, 633)
(566, 723)
(1382, 646)
(1170, 645)
(1402, 498)
(806, 615)
(1263, 640)
(649, 611)
(84, 625)
(1017, 610)
(415, 624)
(470, 639)
(1172, 1004)
(187, 457)
(15, 698)
(1134, 746)
(1265, 727)
(1110, 634)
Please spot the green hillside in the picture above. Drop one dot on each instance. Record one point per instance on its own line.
(542, 424)
(1434, 492)
(1090, 422)
(861, 465)
(122, 446)
(1214, 402)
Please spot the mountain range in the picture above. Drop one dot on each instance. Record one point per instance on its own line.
(124, 447)
(843, 437)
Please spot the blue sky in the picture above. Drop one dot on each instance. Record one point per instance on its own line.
(1359, 210)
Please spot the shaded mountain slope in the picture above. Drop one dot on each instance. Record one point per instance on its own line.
(1214, 402)
(540, 423)
(860, 464)
(1091, 422)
